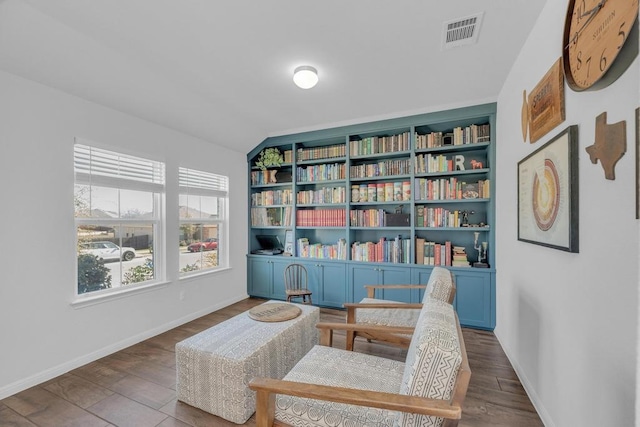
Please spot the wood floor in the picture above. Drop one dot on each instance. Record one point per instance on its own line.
(136, 386)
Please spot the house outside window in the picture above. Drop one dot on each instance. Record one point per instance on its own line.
(118, 212)
(203, 198)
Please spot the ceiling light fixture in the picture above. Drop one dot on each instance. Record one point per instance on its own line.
(305, 77)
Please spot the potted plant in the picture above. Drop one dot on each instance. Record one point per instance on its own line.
(269, 157)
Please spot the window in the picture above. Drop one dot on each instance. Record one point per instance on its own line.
(203, 221)
(118, 206)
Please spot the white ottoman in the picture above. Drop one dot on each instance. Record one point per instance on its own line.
(215, 366)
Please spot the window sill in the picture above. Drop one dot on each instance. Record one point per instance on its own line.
(89, 300)
(204, 273)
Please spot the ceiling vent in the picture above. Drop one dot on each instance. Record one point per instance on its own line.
(461, 31)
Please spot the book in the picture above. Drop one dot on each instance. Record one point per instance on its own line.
(419, 250)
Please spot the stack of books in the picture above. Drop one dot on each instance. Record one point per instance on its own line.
(460, 257)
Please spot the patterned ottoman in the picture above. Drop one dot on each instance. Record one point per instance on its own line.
(215, 366)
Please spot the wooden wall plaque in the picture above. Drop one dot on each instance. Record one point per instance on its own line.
(546, 103)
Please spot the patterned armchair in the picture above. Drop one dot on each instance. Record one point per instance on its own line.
(332, 387)
(441, 285)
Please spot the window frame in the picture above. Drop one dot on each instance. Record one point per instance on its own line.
(155, 184)
(195, 182)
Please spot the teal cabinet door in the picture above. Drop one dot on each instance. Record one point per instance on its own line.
(359, 276)
(331, 287)
(420, 276)
(260, 277)
(474, 298)
(278, 266)
(395, 276)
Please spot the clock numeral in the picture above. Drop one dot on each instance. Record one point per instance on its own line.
(603, 61)
(622, 34)
(588, 61)
(581, 8)
(579, 61)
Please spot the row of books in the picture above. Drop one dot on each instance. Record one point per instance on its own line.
(320, 218)
(287, 155)
(380, 144)
(450, 189)
(327, 172)
(442, 254)
(337, 250)
(369, 218)
(439, 217)
(382, 168)
(315, 153)
(271, 217)
(394, 251)
(272, 197)
(458, 136)
(324, 195)
(429, 163)
(381, 192)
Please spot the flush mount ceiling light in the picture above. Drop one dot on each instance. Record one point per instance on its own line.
(305, 77)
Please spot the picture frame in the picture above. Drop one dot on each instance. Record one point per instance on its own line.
(288, 243)
(548, 194)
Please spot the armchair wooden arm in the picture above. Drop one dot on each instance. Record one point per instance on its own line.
(371, 289)
(267, 388)
(397, 334)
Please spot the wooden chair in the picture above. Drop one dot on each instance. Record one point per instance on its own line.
(441, 285)
(428, 389)
(295, 282)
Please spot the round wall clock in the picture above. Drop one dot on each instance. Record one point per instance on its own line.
(595, 33)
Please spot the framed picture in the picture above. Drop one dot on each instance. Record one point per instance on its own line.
(548, 193)
(288, 242)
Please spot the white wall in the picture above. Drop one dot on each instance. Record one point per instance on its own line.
(568, 322)
(41, 334)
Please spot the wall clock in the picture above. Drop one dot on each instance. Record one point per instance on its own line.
(598, 44)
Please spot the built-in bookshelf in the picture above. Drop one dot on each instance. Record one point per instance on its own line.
(412, 192)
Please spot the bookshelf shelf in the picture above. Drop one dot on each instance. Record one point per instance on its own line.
(406, 172)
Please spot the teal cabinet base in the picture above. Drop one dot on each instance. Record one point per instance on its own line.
(335, 282)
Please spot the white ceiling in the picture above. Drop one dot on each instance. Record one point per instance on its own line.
(222, 70)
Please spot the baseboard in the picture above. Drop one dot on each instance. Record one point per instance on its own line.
(51, 373)
(533, 396)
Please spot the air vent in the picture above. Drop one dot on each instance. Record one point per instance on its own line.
(462, 31)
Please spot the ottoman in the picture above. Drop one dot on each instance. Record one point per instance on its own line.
(214, 367)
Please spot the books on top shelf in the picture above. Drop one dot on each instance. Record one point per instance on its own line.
(318, 153)
(395, 251)
(458, 136)
(379, 144)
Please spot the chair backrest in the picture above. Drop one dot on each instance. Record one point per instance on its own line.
(295, 277)
(436, 366)
(441, 285)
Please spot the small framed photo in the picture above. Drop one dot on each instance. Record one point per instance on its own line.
(288, 243)
(548, 193)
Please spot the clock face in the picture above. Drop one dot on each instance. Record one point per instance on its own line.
(594, 33)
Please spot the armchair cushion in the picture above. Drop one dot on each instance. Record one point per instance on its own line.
(386, 316)
(336, 367)
(433, 360)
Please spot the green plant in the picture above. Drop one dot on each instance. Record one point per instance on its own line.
(92, 274)
(269, 157)
(139, 273)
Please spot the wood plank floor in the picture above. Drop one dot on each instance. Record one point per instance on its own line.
(136, 386)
